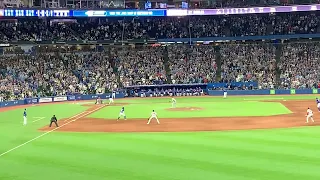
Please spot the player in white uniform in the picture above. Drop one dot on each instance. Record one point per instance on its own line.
(153, 115)
(309, 115)
(111, 99)
(122, 113)
(318, 104)
(25, 117)
(173, 102)
(225, 93)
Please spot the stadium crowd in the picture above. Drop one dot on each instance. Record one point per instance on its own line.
(192, 64)
(141, 66)
(96, 72)
(249, 62)
(159, 27)
(46, 72)
(299, 65)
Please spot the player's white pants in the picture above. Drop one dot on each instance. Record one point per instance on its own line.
(111, 100)
(174, 105)
(122, 115)
(24, 120)
(225, 95)
(318, 106)
(310, 117)
(152, 118)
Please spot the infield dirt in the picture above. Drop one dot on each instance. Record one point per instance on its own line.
(295, 119)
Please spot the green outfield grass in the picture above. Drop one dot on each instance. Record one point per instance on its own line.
(277, 154)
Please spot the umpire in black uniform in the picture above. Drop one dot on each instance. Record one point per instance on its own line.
(54, 120)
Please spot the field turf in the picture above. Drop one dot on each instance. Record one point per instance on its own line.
(278, 154)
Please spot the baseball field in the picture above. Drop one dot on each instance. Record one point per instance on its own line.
(203, 138)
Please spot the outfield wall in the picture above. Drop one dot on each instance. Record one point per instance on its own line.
(264, 92)
(122, 95)
(58, 99)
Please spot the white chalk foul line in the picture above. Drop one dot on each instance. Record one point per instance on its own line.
(79, 115)
(83, 115)
(38, 119)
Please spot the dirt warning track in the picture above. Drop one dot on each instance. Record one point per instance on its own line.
(295, 119)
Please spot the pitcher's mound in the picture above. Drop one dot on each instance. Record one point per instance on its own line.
(185, 109)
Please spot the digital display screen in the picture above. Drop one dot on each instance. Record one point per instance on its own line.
(153, 12)
(79, 13)
(36, 13)
(114, 13)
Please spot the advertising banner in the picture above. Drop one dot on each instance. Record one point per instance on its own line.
(31, 100)
(59, 99)
(45, 100)
(314, 91)
(71, 98)
(272, 91)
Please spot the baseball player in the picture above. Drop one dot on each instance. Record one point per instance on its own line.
(98, 101)
(309, 115)
(111, 99)
(122, 113)
(225, 93)
(153, 115)
(173, 102)
(54, 120)
(318, 104)
(25, 117)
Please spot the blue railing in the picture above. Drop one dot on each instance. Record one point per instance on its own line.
(241, 38)
(264, 92)
(58, 99)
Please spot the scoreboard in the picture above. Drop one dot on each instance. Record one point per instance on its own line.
(36, 13)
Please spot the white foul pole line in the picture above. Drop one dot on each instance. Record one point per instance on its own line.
(27, 142)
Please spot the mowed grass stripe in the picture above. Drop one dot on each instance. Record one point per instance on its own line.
(282, 152)
(287, 140)
(250, 160)
(115, 164)
(117, 142)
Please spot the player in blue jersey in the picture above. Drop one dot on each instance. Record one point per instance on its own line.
(318, 104)
(122, 113)
(25, 117)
